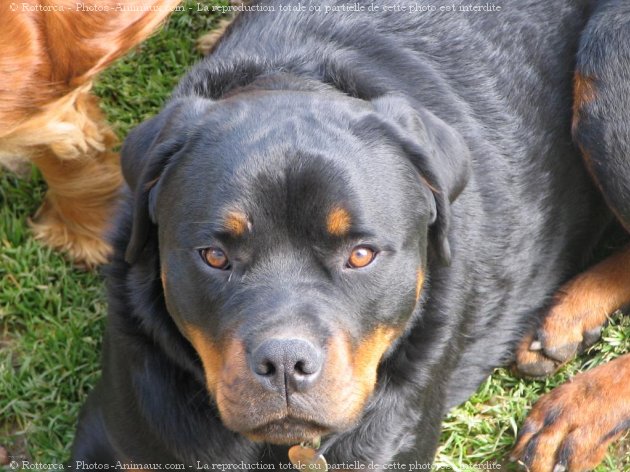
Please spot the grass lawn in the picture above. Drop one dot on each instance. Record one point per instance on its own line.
(52, 316)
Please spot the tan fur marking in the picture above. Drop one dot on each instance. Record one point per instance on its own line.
(583, 89)
(588, 411)
(419, 283)
(367, 356)
(585, 302)
(236, 223)
(350, 370)
(48, 115)
(83, 187)
(150, 184)
(338, 221)
(583, 93)
(210, 354)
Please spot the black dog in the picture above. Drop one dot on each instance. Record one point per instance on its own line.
(341, 223)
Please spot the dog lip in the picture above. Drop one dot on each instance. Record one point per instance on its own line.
(290, 420)
(289, 430)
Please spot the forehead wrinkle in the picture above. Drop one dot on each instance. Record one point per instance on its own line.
(274, 183)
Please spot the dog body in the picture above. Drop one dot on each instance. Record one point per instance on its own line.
(339, 226)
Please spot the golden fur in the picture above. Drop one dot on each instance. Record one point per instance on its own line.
(48, 60)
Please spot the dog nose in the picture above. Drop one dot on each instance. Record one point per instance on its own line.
(287, 364)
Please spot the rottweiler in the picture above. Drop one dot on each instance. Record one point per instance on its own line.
(347, 215)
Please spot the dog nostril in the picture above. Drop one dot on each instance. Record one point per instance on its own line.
(292, 364)
(270, 368)
(266, 368)
(299, 368)
(306, 367)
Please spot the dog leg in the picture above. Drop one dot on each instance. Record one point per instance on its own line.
(48, 116)
(601, 130)
(575, 320)
(601, 104)
(571, 428)
(83, 187)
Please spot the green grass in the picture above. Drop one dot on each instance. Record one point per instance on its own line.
(484, 428)
(50, 326)
(52, 316)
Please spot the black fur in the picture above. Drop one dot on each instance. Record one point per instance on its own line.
(448, 139)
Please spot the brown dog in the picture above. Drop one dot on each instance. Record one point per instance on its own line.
(49, 56)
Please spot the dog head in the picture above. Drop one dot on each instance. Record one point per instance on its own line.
(294, 233)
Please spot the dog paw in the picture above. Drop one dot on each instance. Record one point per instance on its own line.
(582, 308)
(571, 327)
(84, 244)
(575, 321)
(543, 352)
(570, 428)
(532, 362)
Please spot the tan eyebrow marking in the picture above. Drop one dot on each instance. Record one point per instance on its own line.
(236, 223)
(338, 221)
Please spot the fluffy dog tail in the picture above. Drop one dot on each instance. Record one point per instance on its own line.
(48, 49)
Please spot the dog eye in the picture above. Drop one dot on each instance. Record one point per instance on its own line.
(215, 258)
(361, 256)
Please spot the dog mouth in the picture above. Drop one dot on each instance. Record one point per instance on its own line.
(288, 431)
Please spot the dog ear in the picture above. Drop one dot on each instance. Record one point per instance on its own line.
(144, 155)
(437, 151)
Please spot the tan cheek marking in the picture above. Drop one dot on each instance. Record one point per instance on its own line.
(419, 283)
(338, 221)
(583, 89)
(236, 223)
(210, 354)
(236, 363)
(340, 378)
(151, 183)
(583, 93)
(163, 275)
(235, 382)
(368, 355)
(358, 363)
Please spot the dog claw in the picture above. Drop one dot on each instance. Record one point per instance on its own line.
(562, 353)
(590, 337)
(566, 352)
(560, 468)
(542, 368)
(535, 346)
